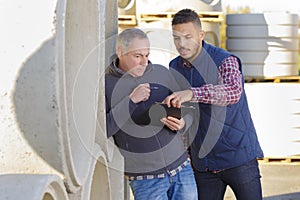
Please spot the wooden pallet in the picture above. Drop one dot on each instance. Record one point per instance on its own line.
(127, 20)
(155, 16)
(211, 16)
(204, 16)
(281, 160)
(278, 79)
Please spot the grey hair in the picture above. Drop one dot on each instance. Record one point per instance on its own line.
(125, 37)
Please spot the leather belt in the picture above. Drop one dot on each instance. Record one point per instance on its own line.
(213, 171)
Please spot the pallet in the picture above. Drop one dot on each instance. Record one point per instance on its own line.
(204, 16)
(127, 20)
(281, 160)
(278, 79)
(155, 16)
(211, 16)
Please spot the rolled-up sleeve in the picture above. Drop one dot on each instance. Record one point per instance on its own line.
(227, 91)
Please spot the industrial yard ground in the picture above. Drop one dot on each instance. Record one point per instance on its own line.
(280, 181)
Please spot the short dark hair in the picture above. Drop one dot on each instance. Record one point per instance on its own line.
(186, 15)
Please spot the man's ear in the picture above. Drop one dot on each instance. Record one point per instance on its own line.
(119, 51)
(202, 34)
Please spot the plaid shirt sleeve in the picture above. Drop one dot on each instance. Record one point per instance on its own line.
(229, 88)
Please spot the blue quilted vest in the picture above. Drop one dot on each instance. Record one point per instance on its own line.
(224, 136)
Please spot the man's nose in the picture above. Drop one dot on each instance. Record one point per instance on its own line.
(182, 42)
(144, 61)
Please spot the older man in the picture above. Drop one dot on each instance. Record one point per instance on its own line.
(156, 161)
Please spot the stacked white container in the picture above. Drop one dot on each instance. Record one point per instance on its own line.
(275, 109)
(266, 43)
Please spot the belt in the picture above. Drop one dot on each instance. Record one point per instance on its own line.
(213, 171)
(163, 175)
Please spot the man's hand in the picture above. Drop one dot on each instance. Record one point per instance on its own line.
(173, 123)
(140, 93)
(177, 98)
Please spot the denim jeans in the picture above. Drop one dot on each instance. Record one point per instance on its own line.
(243, 180)
(181, 186)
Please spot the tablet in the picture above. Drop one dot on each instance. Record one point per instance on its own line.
(171, 111)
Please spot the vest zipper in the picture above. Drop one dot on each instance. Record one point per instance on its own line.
(191, 83)
(191, 77)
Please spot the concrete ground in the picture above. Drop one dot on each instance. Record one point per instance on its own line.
(280, 181)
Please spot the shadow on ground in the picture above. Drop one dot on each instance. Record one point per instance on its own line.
(291, 196)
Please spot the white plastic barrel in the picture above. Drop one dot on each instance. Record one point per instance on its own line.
(266, 43)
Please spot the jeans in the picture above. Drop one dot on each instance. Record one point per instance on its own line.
(243, 180)
(181, 186)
